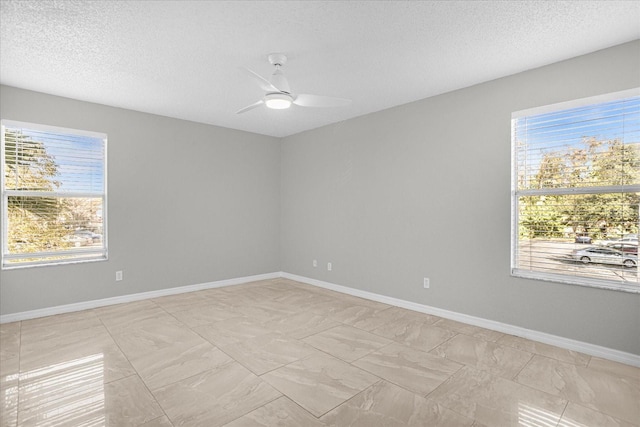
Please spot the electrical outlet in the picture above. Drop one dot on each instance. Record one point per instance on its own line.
(329, 266)
(426, 283)
(118, 276)
(315, 262)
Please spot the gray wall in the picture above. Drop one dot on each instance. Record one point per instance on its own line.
(188, 204)
(389, 198)
(424, 190)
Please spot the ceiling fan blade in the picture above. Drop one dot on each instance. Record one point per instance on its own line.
(279, 81)
(306, 100)
(262, 82)
(250, 107)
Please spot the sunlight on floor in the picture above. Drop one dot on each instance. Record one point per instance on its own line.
(530, 416)
(73, 391)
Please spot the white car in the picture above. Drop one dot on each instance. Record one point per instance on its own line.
(605, 256)
(77, 241)
(632, 238)
(89, 234)
(627, 238)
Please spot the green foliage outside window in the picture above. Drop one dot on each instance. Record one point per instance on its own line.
(601, 216)
(37, 223)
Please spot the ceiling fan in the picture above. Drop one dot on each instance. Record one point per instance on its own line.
(278, 95)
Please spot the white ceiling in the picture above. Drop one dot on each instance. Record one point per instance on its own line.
(183, 59)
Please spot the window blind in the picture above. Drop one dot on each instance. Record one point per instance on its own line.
(53, 195)
(576, 190)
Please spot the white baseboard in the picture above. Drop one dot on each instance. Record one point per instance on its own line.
(68, 308)
(566, 343)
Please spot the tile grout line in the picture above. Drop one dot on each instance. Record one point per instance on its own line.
(536, 389)
(513, 378)
(443, 343)
(351, 398)
(562, 414)
(134, 368)
(325, 354)
(234, 360)
(19, 371)
(398, 385)
(515, 347)
(274, 296)
(574, 367)
(255, 409)
(445, 406)
(298, 405)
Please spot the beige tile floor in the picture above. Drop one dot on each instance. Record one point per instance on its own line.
(282, 353)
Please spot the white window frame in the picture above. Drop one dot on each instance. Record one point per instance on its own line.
(516, 193)
(72, 256)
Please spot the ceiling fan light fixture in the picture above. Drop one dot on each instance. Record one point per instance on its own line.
(277, 101)
(278, 94)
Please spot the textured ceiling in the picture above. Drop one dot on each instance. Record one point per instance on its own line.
(183, 59)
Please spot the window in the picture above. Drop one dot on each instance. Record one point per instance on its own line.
(53, 195)
(575, 187)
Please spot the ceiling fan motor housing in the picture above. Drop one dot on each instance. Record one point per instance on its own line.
(277, 59)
